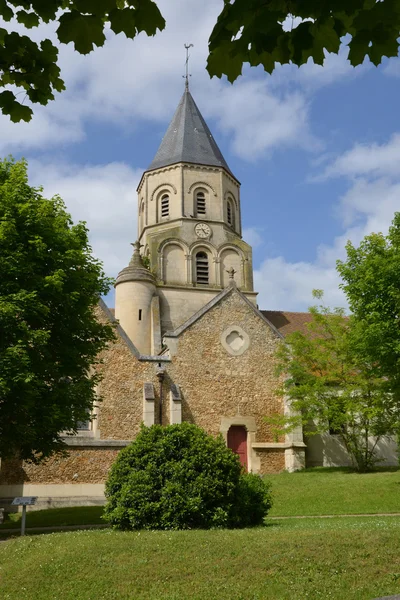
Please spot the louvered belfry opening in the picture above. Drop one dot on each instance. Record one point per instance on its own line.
(202, 275)
(200, 203)
(165, 206)
(229, 213)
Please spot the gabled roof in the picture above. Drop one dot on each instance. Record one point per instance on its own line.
(188, 139)
(226, 292)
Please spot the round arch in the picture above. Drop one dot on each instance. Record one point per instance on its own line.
(202, 184)
(163, 187)
(173, 262)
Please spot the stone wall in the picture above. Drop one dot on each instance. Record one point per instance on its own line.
(216, 384)
(271, 461)
(81, 465)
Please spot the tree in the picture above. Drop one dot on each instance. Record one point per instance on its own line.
(33, 67)
(247, 31)
(371, 277)
(179, 477)
(332, 382)
(49, 287)
(251, 31)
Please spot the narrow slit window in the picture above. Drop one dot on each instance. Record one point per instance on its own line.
(200, 203)
(202, 274)
(140, 314)
(165, 206)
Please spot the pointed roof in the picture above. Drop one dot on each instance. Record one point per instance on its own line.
(188, 139)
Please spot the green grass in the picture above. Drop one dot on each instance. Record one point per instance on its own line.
(355, 558)
(310, 492)
(76, 515)
(335, 491)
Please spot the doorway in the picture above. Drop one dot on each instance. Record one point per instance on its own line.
(237, 442)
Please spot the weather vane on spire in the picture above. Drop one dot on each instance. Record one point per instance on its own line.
(186, 76)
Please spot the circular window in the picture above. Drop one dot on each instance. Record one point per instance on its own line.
(235, 340)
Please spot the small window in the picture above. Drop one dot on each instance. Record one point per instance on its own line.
(165, 205)
(200, 203)
(202, 268)
(230, 214)
(140, 314)
(83, 425)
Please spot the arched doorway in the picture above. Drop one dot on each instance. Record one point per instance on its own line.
(237, 442)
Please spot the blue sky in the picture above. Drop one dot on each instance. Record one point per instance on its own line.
(317, 150)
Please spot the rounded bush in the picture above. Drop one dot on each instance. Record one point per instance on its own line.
(178, 477)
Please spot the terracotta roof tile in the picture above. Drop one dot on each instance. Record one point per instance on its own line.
(288, 322)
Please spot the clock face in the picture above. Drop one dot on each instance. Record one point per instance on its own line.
(202, 230)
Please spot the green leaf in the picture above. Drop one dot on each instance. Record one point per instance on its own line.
(218, 65)
(326, 37)
(149, 17)
(10, 106)
(29, 19)
(95, 7)
(124, 21)
(85, 31)
(359, 46)
(5, 11)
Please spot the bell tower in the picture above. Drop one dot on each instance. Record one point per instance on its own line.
(190, 218)
(189, 221)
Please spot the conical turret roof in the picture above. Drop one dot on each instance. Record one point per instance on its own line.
(135, 271)
(188, 139)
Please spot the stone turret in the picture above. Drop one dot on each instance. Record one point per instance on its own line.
(134, 292)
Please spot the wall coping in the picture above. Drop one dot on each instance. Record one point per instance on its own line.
(285, 445)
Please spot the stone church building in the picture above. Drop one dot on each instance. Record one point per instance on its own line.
(192, 344)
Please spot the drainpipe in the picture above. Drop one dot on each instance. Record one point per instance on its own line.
(160, 372)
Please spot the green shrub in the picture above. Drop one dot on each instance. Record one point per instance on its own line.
(254, 500)
(178, 477)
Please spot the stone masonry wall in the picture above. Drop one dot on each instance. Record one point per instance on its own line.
(271, 461)
(79, 466)
(215, 383)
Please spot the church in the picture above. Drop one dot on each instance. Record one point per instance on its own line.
(192, 344)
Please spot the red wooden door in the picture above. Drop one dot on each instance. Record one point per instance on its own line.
(237, 441)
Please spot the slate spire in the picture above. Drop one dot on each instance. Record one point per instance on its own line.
(188, 139)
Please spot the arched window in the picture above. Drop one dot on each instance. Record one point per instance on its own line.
(200, 203)
(202, 268)
(230, 213)
(164, 205)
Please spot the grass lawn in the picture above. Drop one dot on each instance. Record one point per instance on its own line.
(310, 492)
(335, 491)
(355, 558)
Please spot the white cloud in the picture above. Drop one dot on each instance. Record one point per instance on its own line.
(259, 120)
(104, 196)
(288, 286)
(252, 235)
(368, 159)
(368, 206)
(127, 81)
(392, 67)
